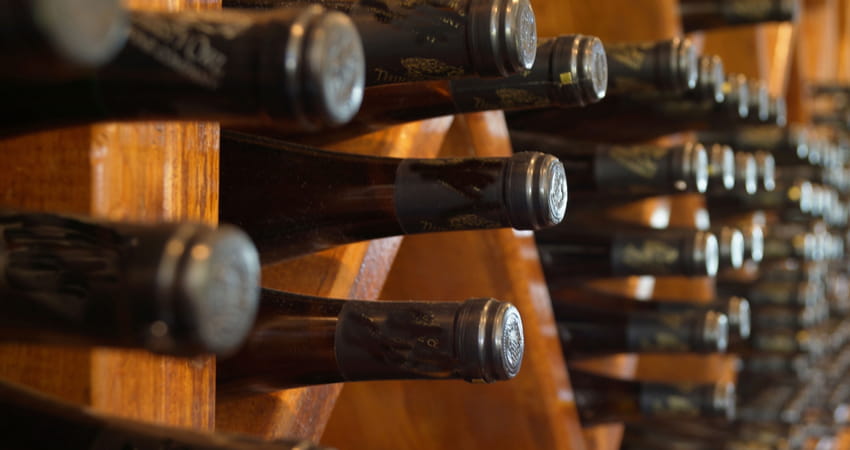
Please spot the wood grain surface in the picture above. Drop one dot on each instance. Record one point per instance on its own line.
(136, 172)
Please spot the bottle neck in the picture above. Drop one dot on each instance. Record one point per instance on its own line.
(302, 340)
(606, 169)
(593, 332)
(326, 199)
(569, 71)
(604, 400)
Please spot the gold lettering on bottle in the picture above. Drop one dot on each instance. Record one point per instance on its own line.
(427, 68)
(471, 221)
(184, 45)
(650, 254)
(513, 98)
(640, 160)
(386, 76)
(662, 340)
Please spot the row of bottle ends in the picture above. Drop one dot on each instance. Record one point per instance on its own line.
(228, 52)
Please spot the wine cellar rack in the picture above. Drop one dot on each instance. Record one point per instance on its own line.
(156, 171)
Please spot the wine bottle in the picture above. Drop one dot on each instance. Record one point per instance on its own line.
(746, 173)
(759, 102)
(707, 14)
(638, 120)
(778, 112)
(52, 40)
(569, 71)
(434, 39)
(588, 332)
(787, 317)
(672, 437)
(765, 170)
(568, 254)
(292, 69)
(178, 289)
(568, 300)
(641, 170)
(791, 203)
(786, 341)
(710, 80)
(789, 145)
(34, 421)
(652, 69)
(721, 168)
(301, 340)
(328, 199)
(601, 399)
(773, 292)
(775, 366)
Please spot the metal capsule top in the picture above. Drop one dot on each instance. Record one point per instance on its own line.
(731, 246)
(711, 77)
(503, 36)
(778, 111)
(210, 280)
(746, 172)
(724, 400)
(325, 59)
(85, 33)
(580, 66)
(537, 184)
(721, 167)
(490, 340)
(766, 170)
(685, 64)
(739, 314)
(754, 242)
(759, 101)
(693, 167)
(736, 93)
(715, 332)
(705, 255)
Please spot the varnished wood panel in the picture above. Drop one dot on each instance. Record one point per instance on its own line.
(610, 20)
(351, 271)
(139, 172)
(534, 410)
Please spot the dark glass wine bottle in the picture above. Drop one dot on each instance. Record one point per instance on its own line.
(300, 340)
(773, 292)
(34, 421)
(759, 102)
(789, 145)
(570, 253)
(641, 170)
(569, 71)
(785, 341)
(434, 39)
(710, 80)
(707, 14)
(765, 170)
(290, 69)
(775, 366)
(746, 173)
(721, 169)
(566, 301)
(317, 199)
(651, 69)
(638, 120)
(178, 289)
(601, 399)
(52, 40)
(671, 437)
(590, 332)
(791, 203)
(768, 317)
(778, 112)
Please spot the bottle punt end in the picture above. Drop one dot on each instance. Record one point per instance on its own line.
(715, 333)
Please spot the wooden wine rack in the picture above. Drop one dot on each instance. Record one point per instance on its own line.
(169, 171)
